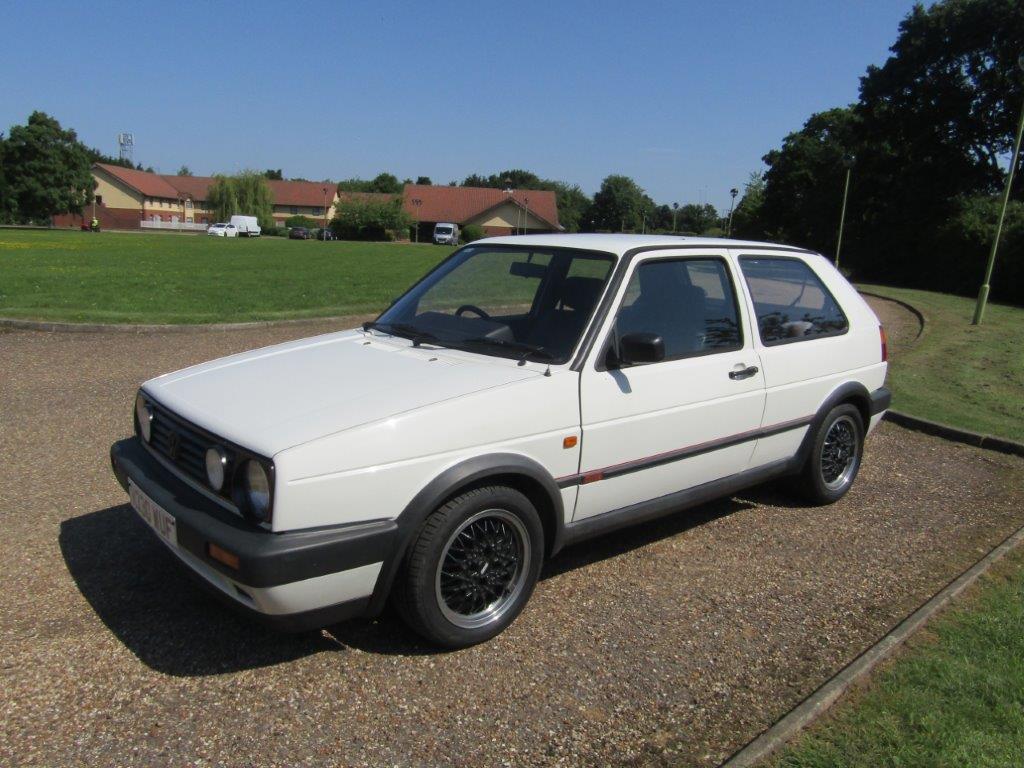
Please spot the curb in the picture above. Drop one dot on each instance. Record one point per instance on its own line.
(922, 321)
(824, 697)
(990, 442)
(51, 327)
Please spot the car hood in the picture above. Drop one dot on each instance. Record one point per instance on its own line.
(271, 399)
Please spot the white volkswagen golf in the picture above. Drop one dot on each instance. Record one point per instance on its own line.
(526, 394)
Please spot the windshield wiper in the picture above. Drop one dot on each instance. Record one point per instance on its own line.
(528, 350)
(405, 330)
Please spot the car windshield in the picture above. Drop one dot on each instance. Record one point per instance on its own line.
(509, 301)
(444, 230)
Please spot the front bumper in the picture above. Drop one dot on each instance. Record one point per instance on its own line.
(294, 580)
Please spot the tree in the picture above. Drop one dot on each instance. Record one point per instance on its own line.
(382, 182)
(936, 120)
(424, 180)
(184, 171)
(246, 193)
(385, 182)
(804, 182)
(95, 156)
(301, 221)
(926, 138)
(697, 218)
(361, 219)
(46, 171)
(273, 174)
(573, 205)
(620, 204)
(748, 217)
(950, 93)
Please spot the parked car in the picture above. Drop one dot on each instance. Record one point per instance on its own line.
(528, 393)
(326, 234)
(246, 226)
(446, 234)
(222, 230)
(298, 233)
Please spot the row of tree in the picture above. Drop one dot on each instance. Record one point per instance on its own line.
(926, 145)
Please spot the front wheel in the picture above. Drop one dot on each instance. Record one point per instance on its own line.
(835, 456)
(472, 567)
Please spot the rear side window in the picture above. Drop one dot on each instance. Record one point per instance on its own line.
(790, 301)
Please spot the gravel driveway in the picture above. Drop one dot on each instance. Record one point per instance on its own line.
(675, 642)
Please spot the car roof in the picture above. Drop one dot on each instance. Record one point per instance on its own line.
(619, 244)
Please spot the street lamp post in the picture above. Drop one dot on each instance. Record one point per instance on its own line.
(848, 162)
(325, 215)
(979, 309)
(732, 207)
(675, 210)
(417, 202)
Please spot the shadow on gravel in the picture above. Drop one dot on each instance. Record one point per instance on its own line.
(143, 595)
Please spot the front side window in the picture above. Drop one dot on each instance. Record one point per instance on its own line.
(690, 303)
(790, 301)
(524, 302)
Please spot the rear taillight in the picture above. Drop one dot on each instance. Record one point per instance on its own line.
(885, 344)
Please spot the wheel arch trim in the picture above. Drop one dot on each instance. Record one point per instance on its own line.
(849, 392)
(469, 473)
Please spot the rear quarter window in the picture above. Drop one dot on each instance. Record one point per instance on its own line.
(790, 301)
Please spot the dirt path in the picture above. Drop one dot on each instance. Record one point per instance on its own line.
(902, 327)
(670, 643)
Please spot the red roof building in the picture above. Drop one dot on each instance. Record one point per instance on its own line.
(127, 198)
(497, 211)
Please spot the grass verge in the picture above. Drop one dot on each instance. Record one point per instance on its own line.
(954, 696)
(968, 376)
(170, 278)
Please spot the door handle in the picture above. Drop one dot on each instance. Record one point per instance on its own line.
(746, 373)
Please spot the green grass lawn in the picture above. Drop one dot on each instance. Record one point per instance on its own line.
(170, 278)
(954, 698)
(960, 374)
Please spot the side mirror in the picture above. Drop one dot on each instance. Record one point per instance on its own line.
(637, 348)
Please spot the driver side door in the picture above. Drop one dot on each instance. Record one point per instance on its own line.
(652, 429)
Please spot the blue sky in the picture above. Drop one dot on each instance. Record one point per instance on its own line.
(685, 97)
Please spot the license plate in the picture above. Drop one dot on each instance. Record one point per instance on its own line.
(155, 516)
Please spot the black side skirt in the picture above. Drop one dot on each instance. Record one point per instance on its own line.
(675, 502)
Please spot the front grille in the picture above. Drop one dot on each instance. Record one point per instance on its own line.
(179, 443)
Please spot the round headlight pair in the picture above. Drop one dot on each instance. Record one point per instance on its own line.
(144, 415)
(257, 490)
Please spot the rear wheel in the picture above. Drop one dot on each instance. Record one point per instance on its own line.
(472, 567)
(835, 456)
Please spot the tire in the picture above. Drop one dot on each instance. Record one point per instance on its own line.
(835, 456)
(492, 530)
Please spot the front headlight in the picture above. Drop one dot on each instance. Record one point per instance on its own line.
(216, 463)
(257, 490)
(144, 415)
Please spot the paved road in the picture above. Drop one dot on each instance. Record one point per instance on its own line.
(671, 643)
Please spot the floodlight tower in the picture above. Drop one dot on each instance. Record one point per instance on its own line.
(125, 146)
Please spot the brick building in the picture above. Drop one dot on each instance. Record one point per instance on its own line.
(131, 199)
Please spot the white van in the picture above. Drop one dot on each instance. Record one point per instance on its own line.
(247, 226)
(446, 233)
